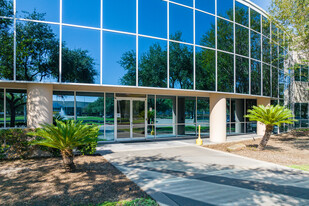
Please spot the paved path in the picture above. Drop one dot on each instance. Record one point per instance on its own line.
(180, 173)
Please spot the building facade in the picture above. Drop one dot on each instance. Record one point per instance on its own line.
(140, 69)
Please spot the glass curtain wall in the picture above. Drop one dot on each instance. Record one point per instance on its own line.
(128, 43)
(16, 110)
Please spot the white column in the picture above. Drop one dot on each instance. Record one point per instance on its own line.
(39, 104)
(217, 118)
(261, 127)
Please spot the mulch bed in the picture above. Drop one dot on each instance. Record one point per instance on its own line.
(44, 182)
(284, 149)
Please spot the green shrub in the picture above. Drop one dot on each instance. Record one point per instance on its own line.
(88, 149)
(135, 202)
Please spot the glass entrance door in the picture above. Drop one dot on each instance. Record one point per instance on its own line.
(131, 118)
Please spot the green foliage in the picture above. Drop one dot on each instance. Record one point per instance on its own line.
(57, 117)
(66, 135)
(135, 202)
(89, 148)
(271, 115)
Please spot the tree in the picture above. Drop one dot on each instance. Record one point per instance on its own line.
(294, 17)
(270, 116)
(66, 136)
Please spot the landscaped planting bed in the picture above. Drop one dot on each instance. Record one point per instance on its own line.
(290, 149)
(44, 182)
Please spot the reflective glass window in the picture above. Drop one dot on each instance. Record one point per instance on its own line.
(6, 49)
(6, 9)
(281, 83)
(152, 63)
(297, 110)
(274, 55)
(80, 55)
(154, 13)
(119, 59)
(205, 29)
(119, 15)
(151, 116)
(274, 32)
(225, 72)
(90, 109)
(281, 57)
(241, 14)
(1, 108)
(109, 116)
(205, 69)
(304, 111)
(184, 2)
(304, 73)
(181, 23)
(38, 9)
(255, 19)
(37, 51)
(208, 6)
(255, 45)
(266, 80)
(225, 9)
(165, 116)
(242, 40)
(203, 115)
(63, 105)
(280, 37)
(186, 118)
(297, 71)
(266, 26)
(274, 79)
(81, 12)
(225, 35)
(242, 75)
(16, 111)
(266, 50)
(181, 66)
(255, 78)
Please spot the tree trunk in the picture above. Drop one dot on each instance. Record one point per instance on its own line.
(268, 131)
(67, 157)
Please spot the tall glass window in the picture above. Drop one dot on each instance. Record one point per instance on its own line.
(266, 80)
(274, 79)
(241, 14)
(274, 32)
(152, 63)
(266, 50)
(119, 15)
(225, 9)
(38, 9)
(205, 29)
(152, 12)
(80, 55)
(6, 49)
(185, 2)
(63, 105)
(281, 83)
(225, 35)
(255, 45)
(208, 6)
(16, 111)
(242, 40)
(186, 119)
(304, 73)
(255, 78)
(266, 26)
(37, 51)
(205, 69)
(274, 54)
(255, 18)
(225, 72)
(181, 23)
(242, 75)
(109, 116)
(119, 59)
(203, 114)
(73, 9)
(181, 66)
(165, 116)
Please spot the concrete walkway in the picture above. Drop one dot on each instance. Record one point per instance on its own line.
(180, 173)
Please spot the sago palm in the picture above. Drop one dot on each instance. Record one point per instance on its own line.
(270, 116)
(66, 136)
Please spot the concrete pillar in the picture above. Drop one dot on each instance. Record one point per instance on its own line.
(39, 104)
(260, 130)
(217, 118)
(239, 116)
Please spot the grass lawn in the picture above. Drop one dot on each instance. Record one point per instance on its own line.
(44, 182)
(290, 149)
(300, 167)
